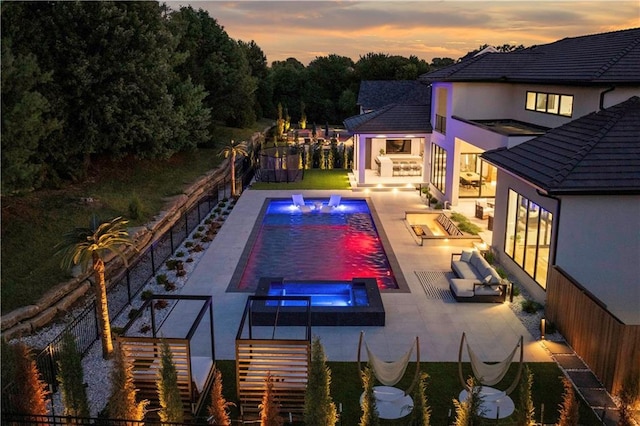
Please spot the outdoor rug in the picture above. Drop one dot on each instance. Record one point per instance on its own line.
(436, 284)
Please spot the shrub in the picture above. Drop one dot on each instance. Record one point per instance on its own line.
(197, 235)
(30, 395)
(208, 220)
(145, 329)
(269, 409)
(189, 243)
(200, 228)
(491, 258)
(189, 259)
(525, 412)
(516, 290)
(198, 248)
(500, 270)
(117, 330)
(171, 264)
(133, 313)
(122, 401)
(71, 378)
(206, 239)
(146, 295)
(629, 397)
(569, 406)
(421, 414)
(171, 409)
(369, 409)
(169, 286)
(531, 306)
(162, 279)
(161, 304)
(458, 217)
(217, 210)
(319, 408)
(135, 207)
(180, 254)
(218, 407)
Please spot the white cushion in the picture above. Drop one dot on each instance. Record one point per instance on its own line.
(466, 255)
(487, 279)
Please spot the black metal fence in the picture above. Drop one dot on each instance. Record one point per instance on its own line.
(121, 292)
(22, 419)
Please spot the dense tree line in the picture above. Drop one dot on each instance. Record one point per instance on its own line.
(82, 80)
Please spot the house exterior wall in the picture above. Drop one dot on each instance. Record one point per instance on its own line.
(504, 184)
(599, 246)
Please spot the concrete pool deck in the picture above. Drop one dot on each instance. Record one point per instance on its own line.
(492, 329)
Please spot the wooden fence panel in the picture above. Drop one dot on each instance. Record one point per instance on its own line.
(609, 347)
(288, 363)
(145, 355)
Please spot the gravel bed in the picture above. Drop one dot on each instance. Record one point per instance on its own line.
(97, 370)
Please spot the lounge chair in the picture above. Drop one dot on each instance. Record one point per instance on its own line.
(298, 201)
(494, 403)
(391, 402)
(334, 201)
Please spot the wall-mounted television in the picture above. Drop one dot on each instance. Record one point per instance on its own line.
(398, 146)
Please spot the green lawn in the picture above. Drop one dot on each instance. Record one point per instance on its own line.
(443, 386)
(313, 179)
(34, 223)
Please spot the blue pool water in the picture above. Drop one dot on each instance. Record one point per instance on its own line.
(324, 246)
(325, 294)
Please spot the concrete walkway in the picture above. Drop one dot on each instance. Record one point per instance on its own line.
(492, 329)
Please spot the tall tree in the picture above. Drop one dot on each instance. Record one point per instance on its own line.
(233, 149)
(171, 409)
(30, 391)
(260, 71)
(328, 77)
(113, 86)
(216, 62)
(71, 378)
(88, 246)
(319, 408)
(122, 402)
(27, 121)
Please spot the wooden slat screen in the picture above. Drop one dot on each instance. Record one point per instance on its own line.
(145, 354)
(610, 348)
(287, 361)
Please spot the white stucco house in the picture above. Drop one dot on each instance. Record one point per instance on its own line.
(550, 136)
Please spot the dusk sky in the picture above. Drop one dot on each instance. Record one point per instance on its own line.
(426, 29)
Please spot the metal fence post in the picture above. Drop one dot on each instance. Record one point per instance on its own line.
(153, 262)
(128, 285)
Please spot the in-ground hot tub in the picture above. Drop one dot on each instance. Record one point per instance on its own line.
(333, 303)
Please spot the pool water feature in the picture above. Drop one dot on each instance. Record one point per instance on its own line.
(333, 303)
(320, 245)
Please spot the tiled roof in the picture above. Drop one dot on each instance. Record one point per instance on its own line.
(597, 59)
(375, 94)
(595, 154)
(392, 119)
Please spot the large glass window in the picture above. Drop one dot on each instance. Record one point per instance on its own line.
(550, 103)
(438, 167)
(528, 236)
(477, 178)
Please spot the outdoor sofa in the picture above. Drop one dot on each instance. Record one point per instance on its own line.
(476, 280)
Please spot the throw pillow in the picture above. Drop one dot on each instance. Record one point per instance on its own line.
(466, 255)
(487, 279)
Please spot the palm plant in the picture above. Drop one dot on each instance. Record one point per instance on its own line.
(232, 150)
(84, 246)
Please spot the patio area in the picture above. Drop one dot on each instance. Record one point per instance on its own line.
(425, 311)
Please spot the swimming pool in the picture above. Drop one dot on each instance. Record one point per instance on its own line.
(332, 303)
(328, 246)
